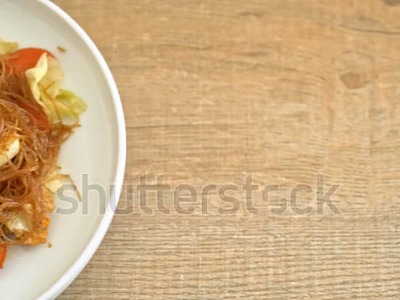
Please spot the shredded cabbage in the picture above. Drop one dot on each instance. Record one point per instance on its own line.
(74, 102)
(10, 152)
(35, 75)
(44, 80)
(23, 222)
(53, 184)
(7, 47)
(53, 77)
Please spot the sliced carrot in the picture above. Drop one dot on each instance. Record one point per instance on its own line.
(21, 61)
(3, 254)
(25, 59)
(38, 114)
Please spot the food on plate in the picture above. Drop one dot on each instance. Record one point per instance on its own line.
(36, 117)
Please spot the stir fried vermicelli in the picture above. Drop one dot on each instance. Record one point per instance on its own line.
(32, 130)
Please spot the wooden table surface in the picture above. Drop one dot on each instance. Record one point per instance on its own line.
(303, 95)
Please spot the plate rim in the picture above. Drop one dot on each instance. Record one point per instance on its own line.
(69, 276)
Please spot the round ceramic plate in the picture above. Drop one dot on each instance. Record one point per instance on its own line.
(94, 156)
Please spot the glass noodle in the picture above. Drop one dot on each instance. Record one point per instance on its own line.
(23, 178)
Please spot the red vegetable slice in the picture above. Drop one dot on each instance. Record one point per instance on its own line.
(3, 254)
(21, 61)
(25, 59)
(40, 116)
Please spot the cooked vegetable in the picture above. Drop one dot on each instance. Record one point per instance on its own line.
(37, 113)
(9, 151)
(44, 81)
(69, 104)
(3, 254)
(22, 222)
(53, 183)
(7, 47)
(35, 74)
(25, 59)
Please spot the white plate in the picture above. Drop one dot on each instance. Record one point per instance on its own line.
(98, 149)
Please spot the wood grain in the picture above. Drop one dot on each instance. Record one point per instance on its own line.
(215, 91)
